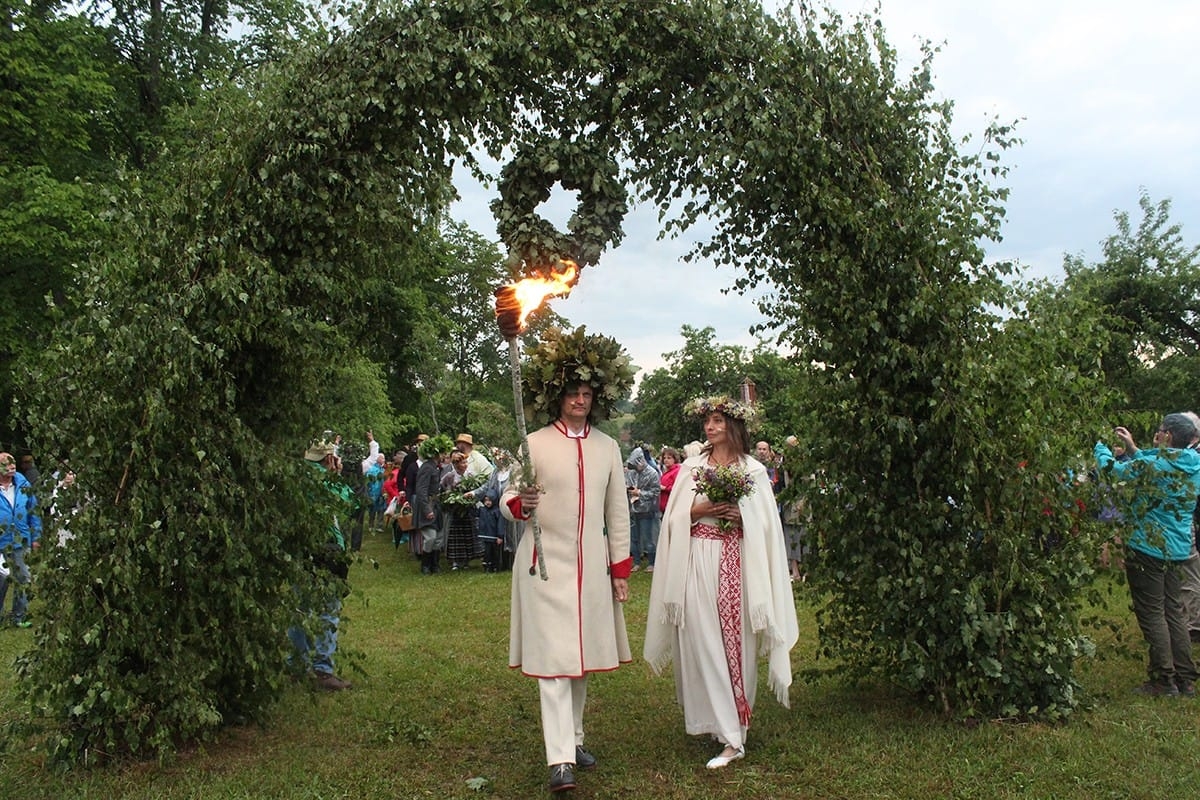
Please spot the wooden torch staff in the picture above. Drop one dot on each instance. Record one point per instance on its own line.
(508, 313)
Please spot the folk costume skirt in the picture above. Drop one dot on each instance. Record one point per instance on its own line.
(716, 674)
(462, 544)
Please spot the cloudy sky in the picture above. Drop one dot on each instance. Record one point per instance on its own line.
(1106, 92)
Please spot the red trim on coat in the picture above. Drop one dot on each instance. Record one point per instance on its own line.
(561, 427)
(622, 569)
(514, 505)
(582, 484)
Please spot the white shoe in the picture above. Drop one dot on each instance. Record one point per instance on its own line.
(723, 759)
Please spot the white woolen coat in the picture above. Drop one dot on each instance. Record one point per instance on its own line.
(570, 624)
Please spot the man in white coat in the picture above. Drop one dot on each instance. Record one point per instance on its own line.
(572, 624)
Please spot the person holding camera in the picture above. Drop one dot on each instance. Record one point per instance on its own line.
(1159, 548)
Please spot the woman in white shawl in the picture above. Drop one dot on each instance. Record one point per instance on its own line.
(721, 595)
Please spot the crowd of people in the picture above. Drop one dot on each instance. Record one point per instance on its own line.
(443, 499)
(458, 496)
(720, 559)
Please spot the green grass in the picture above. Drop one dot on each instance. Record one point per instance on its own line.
(437, 714)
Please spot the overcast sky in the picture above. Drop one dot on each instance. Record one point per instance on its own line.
(1108, 94)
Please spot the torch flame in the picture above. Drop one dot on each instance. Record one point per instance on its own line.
(515, 302)
(531, 292)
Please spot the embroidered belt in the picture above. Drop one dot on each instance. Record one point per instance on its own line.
(703, 530)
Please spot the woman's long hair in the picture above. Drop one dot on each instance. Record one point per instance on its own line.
(739, 437)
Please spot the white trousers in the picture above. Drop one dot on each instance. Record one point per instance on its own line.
(562, 716)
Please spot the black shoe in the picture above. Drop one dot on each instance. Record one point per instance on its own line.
(562, 778)
(584, 759)
(1157, 689)
(1186, 688)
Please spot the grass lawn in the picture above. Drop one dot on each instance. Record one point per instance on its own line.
(436, 713)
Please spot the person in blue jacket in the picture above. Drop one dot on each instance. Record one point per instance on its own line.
(20, 532)
(1165, 480)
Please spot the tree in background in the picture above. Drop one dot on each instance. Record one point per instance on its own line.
(461, 302)
(205, 347)
(165, 55)
(701, 368)
(88, 99)
(358, 402)
(698, 369)
(778, 381)
(52, 169)
(1146, 289)
(443, 350)
(942, 438)
(493, 425)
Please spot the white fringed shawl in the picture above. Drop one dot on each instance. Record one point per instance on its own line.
(765, 576)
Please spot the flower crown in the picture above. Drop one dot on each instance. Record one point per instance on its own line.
(703, 406)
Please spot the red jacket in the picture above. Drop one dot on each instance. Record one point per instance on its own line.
(390, 487)
(668, 481)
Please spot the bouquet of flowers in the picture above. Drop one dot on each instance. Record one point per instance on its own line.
(723, 484)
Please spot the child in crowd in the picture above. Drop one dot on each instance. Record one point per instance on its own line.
(491, 533)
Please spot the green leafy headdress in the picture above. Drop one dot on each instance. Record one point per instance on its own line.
(561, 360)
(434, 446)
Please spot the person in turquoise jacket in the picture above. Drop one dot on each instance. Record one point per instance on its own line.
(20, 532)
(1165, 480)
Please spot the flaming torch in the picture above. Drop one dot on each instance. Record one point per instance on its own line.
(514, 304)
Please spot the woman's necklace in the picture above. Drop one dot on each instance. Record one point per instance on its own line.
(724, 461)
